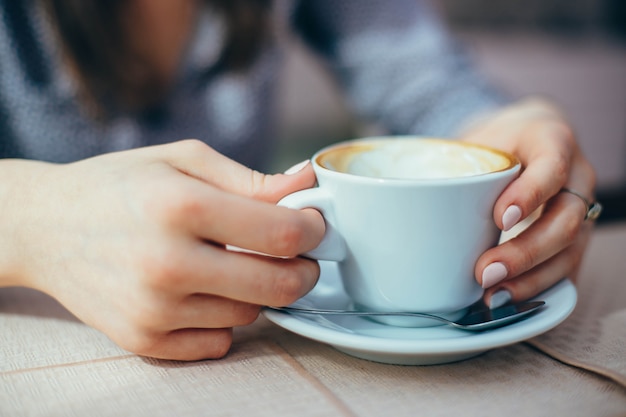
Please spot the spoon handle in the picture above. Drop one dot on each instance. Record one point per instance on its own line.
(321, 311)
(477, 320)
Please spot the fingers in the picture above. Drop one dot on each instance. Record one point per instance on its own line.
(547, 168)
(164, 312)
(560, 226)
(208, 213)
(249, 278)
(215, 204)
(532, 282)
(194, 344)
(176, 319)
(187, 344)
(539, 136)
(203, 311)
(243, 222)
(551, 247)
(198, 160)
(556, 229)
(194, 273)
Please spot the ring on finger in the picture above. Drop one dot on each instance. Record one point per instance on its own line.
(592, 208)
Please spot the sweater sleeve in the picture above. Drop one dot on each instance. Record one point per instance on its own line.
(397, 64)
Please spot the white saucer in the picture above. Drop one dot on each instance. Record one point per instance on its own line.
(367, 339)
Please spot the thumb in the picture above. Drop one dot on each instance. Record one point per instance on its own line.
(272, 188)
(199, 160)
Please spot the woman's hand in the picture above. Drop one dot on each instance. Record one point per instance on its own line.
(134, 244)
(552, 247)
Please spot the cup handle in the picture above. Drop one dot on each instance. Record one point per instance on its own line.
(332, 247)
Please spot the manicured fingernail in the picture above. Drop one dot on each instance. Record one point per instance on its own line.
(493, 274)
(499, 298)
(511, 216)
(297, 168)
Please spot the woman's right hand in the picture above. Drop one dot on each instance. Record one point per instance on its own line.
(134, 244)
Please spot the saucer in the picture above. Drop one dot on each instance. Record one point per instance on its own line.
(367, 339)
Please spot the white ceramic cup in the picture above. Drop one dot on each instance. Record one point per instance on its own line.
(407, 218)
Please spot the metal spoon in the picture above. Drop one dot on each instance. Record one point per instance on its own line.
(474, 321)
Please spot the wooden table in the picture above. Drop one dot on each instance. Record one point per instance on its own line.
(53, 365)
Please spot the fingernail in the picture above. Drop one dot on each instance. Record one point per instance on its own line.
(499, 298)
(493, 274)
(511, 216)
(297, 168)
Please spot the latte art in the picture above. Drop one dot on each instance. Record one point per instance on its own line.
(415, 159)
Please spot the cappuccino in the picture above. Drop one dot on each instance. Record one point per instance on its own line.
(414, 159)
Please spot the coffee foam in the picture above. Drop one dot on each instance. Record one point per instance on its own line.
(415, 159)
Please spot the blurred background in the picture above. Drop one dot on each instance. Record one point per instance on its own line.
(573, 51)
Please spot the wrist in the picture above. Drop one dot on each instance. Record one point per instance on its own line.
(19, 183)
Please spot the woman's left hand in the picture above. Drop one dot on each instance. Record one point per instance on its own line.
(552, 247)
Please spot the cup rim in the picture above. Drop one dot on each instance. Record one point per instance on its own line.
(513, 166)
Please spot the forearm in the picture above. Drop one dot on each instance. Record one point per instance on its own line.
(399, 66)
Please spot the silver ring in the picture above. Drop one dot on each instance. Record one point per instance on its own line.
(593, 208)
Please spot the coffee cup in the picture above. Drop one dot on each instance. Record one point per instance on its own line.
(406, 220)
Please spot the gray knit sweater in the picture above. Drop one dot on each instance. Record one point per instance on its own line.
(393, 59)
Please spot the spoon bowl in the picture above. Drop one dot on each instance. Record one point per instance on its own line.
(473, 321)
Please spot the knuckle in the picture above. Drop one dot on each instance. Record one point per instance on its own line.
(561, 168)
(170, 204)
(162, 271)
(527, 287)
(526, 256)
(287, 287)
(142, 343)
(535, 196)
(179, 207)
(246, 313)
(215, 345)
(221, 341)
(146, 313)
(287, 237)
(571, 227)
(193, 146)
(258, 184)
(562, 131)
